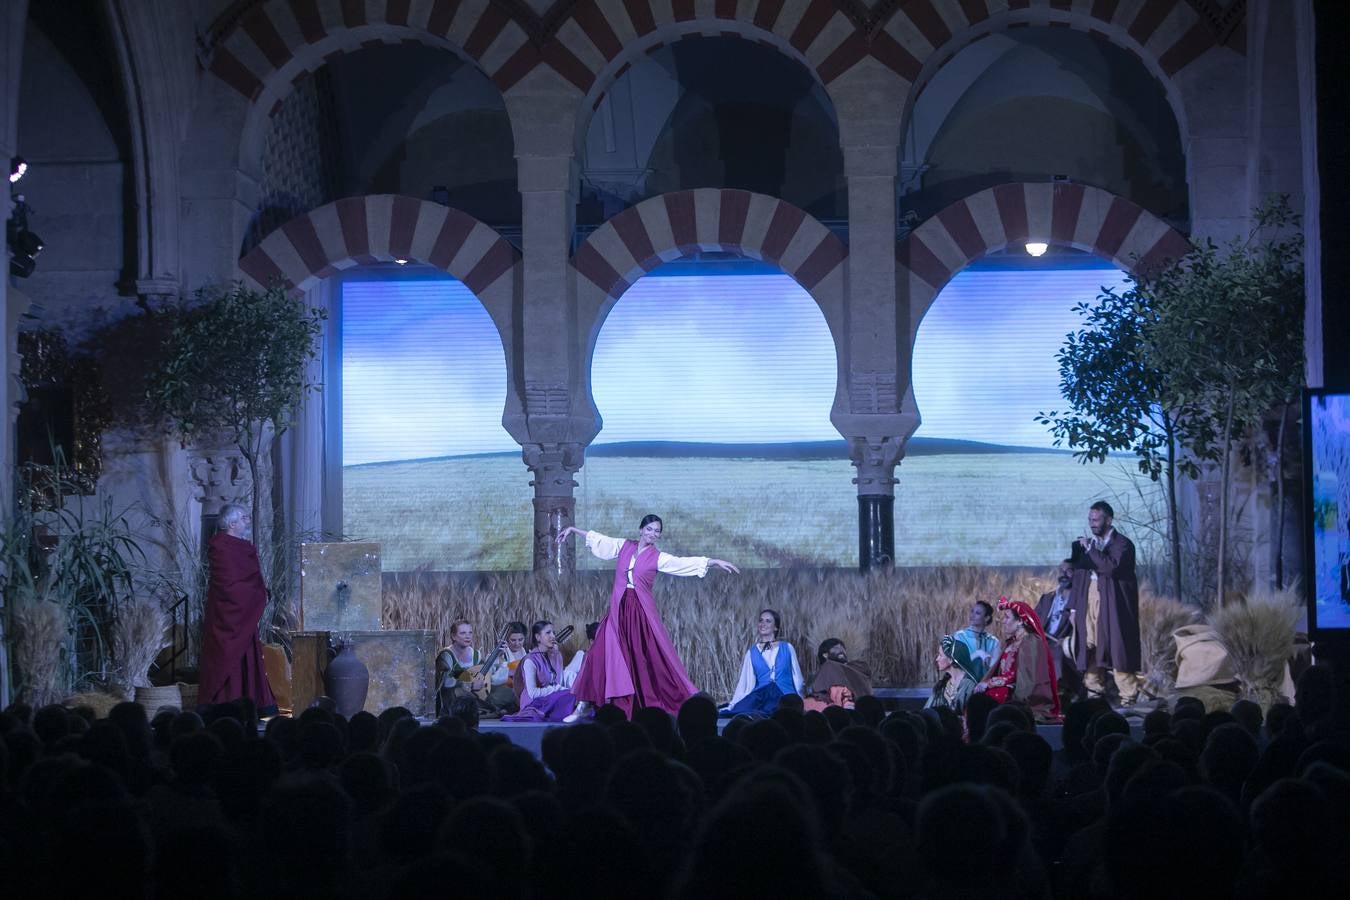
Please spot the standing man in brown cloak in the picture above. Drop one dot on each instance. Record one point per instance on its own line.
(1105, 600)
(231, 660)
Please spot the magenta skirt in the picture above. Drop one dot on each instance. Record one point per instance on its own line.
(659, 678)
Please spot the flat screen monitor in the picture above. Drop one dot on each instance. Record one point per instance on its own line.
(1326, 455)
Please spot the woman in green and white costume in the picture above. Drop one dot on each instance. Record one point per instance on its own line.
(956, 678)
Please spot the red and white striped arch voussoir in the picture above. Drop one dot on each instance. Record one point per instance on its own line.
(297, 37)
(669, 226)
(1075, 215)
(1171, 32)
(380, 227)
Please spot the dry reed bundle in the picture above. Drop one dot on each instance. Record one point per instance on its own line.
(40, 630)
(1159, 617)
(1259, 638)
(892, 619)
(140, 632)
(98, 701)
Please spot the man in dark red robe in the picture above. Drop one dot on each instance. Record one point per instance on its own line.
(231, 658)
(1106, 619)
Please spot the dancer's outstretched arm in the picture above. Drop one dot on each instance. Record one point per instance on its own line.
(600, 545)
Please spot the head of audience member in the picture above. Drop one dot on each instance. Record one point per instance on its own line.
(1276, 718)
(1315, 696)
(1077, 718)
(981, 615)
(660, 728)
(763, 738)
(466, 710)
(792, 703)
(870, 710)
(1033, 756)
(1229, 756)
(943, 837)
(697, 719)
(1247, 713)
(788, 865)
(1188, 708)
(1157, 722)
(609, 715)
(978, 708)
(793, 721)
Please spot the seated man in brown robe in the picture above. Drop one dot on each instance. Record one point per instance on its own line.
(231, 657)
(838, 681)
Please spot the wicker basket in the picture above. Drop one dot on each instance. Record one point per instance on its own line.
(189, 695)
(153, 698)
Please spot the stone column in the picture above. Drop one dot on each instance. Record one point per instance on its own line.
(876, 460)
(556, 420)
(868, 100)
(553, 466)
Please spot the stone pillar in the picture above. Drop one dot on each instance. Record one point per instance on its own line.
(876, 460)
(553, 466)
(556, 420)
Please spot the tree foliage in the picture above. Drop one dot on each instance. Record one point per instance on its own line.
(1185, 362)
(233, 361)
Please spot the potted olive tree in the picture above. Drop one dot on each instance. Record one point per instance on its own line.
(234, 364)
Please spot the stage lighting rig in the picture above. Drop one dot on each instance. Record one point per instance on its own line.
(24, 244)
(17, 166)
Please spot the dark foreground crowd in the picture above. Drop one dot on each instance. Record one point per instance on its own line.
(839, 804)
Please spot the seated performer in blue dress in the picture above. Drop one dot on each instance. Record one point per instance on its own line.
(769, 672)
(542, 684)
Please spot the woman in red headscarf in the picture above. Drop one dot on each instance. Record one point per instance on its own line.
(1025, 670)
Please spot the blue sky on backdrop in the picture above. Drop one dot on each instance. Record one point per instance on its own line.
(725, 358)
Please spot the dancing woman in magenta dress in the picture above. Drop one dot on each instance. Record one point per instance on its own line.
(632, 662)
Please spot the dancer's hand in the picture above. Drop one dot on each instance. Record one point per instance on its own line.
(724, 566)
(570, 529)
(981, 687)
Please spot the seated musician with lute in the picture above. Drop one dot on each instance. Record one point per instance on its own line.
(463, 671)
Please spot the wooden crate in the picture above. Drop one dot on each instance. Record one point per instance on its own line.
(402, 668)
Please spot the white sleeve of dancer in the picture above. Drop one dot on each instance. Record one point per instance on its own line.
(603, 546)
(682, 565)
(746, 683)
(798, 681)
(532, 685)
(573, 669)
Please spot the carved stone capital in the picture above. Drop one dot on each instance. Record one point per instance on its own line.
(218, 478)
(553, 466)
(876, 459)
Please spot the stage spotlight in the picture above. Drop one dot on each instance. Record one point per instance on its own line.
(1037, 248)
(24, 245)
(17, 166)
(401, 262)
